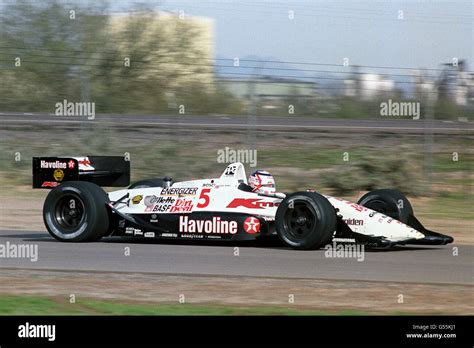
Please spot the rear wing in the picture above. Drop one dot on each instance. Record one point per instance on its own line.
(49, 172)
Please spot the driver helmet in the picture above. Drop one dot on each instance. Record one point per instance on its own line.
(262, 181)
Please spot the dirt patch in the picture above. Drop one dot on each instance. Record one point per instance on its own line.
(321, 295)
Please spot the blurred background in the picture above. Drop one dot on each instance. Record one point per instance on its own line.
(302, 83)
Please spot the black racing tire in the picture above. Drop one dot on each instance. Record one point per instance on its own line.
(305, 220)
(76, 211)
(389, 202)
(154, 182)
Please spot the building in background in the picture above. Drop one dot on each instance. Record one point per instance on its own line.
(368, 86)
(179, 46)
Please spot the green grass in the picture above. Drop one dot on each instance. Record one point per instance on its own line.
(35, 305)
(445, 162)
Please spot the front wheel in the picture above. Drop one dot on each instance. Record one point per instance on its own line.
(305, 220)
(389, 202)
(76, 212)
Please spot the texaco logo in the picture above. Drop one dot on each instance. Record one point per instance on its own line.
(251, 225)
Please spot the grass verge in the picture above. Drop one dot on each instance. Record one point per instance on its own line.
(35, 305)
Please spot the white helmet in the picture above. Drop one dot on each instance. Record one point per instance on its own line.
(262, 181)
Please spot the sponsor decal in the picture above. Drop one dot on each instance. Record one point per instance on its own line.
(151, 200)
(357, 207)
(49, 184)
(179, 191)
(159, 208)
(216, 225)
(154, 218)
(53, 165)
(134, 231)
(343, 240)
(182, 205)
(211, 184)
(149, 235)
(251, 225)
(84, 162)
(230, 170)
(252, 203)
(137, 199)
(158, 204)
(71, 164)
(169, 235)
(220, 186)
(354, 222)
(58, 174)
(138, 232)
(268, 218)
(192, 236)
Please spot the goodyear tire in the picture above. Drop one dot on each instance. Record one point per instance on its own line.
(76, 212)
(305, 220)
(389, 202)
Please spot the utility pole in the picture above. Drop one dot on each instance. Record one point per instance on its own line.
(428, 136)
(252, 109)
(84, 85)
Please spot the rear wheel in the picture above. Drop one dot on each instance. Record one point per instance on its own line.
(76, 212)
(305, 220)
(389, 202)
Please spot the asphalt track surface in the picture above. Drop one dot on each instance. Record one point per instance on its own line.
(435, 264)
(392, 125)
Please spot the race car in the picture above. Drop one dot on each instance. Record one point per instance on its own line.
(225, 208)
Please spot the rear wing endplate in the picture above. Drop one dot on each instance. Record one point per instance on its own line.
(49, 172)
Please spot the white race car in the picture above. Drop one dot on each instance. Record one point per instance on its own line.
(224, 208)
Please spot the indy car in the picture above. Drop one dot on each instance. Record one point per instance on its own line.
(224, 208)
